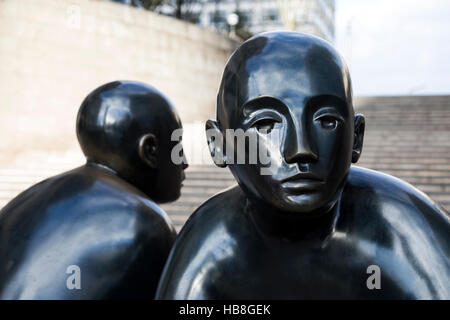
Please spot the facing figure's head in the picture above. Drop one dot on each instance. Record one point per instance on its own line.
(127, 126)
(297, 87)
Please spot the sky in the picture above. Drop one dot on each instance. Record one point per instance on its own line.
(395, 47)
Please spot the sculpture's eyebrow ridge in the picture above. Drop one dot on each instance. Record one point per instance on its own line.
(328, 100)
(265, 102)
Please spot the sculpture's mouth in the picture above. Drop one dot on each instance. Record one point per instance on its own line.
(302, 183)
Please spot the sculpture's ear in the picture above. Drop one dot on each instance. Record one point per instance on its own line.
(148, 150)
(215, 140)
(360, 124)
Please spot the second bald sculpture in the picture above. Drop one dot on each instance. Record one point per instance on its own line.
(311, 226)
(96, 232)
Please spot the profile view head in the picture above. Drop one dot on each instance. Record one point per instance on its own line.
(127, 126)
(293, 92)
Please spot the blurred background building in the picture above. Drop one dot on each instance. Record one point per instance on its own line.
(309, 16)
(54, 52)
(248, 17)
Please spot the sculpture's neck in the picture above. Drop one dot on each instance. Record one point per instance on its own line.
(317, 226)
(101, 167)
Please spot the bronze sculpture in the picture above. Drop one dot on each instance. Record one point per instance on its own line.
(96, 232)
(315, 227)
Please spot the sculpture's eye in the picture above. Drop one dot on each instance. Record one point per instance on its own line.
(328, 122)
(329, 118)
(264, 125)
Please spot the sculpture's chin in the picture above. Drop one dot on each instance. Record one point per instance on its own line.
(303, 204)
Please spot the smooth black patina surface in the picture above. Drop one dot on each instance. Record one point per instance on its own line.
(313, 227)
(103, 216)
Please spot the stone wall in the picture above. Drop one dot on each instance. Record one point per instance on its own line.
(54, 52)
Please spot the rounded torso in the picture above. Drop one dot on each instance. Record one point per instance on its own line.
(383, 222)
(85, 234)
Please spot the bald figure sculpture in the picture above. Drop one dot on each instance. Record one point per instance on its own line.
(304, 225)
(96, 232)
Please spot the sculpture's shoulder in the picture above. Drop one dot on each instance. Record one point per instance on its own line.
(378, 201)
(209, 234)
(370, 185)
(221, 208)
(83, 217)
(222, 211)
(406, 229)
(127, 202)
(83, 193)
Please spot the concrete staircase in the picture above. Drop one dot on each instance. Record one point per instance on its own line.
(409, 137)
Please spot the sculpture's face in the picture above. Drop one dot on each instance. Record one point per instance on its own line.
(169, 175)
(160, 169)
(293, 93)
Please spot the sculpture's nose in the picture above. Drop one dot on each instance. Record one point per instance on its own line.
(297, 146)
